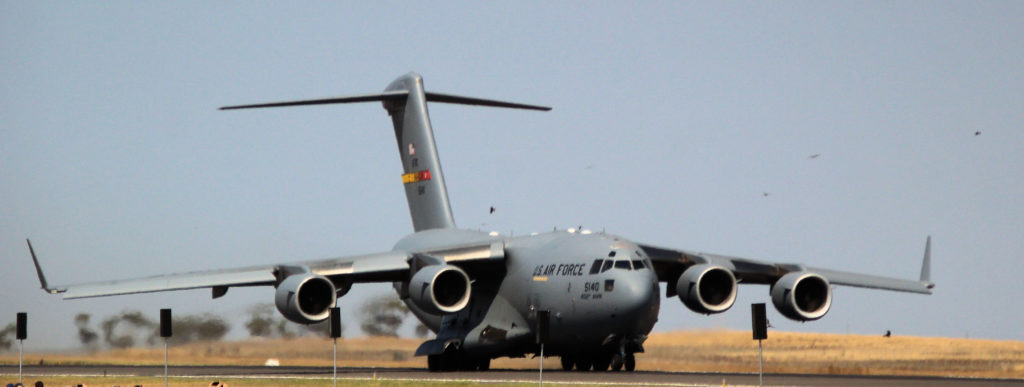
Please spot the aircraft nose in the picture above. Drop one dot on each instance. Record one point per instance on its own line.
(638, 299)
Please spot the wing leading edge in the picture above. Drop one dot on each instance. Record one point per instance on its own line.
(379, 267)
(670, 264)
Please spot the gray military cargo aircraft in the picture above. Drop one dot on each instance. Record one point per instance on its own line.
(480, 292)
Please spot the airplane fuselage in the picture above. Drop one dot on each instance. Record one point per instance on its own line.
(600, 289)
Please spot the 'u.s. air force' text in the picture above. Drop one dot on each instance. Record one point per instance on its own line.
(559, 269)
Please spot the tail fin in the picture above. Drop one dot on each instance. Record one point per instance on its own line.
(406, 103)
(926, 264)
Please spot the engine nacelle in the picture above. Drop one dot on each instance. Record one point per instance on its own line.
(439, 289)
(306, 298)
(802, 296)
(707, 288)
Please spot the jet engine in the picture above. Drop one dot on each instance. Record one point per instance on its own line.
(305, 298)
(439, 289)
(802, 296)
(707, 288)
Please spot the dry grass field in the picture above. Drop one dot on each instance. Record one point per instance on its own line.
(700, 351)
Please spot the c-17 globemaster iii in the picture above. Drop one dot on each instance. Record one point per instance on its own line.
(481, 292)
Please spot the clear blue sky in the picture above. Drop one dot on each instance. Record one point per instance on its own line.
(670, 121)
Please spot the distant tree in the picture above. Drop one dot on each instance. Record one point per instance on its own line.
(87, 336)
(382, 315)
(9, 330)
(265, 322)
(108, 326)
(118, 335)
(202, 327)
(261, 320)
(322, 328)
(283, 329)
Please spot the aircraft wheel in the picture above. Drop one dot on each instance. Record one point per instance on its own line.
(630, 362)
(583, 363)
(616, 362)
(435, 363)
(567, 363)
(601, 362)
(466, 363)
(484, 364)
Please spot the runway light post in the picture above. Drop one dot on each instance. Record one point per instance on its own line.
(335, 334)
(165, 332)
(22, 335)
(543, 325)
(760, 328)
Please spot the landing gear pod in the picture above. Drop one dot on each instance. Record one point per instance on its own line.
(306, 298)
(439, 289)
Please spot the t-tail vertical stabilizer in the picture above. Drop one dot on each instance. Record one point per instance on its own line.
(406, 102)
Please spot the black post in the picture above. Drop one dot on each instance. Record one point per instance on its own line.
(760, 327)
(335, 322)
(22, 335)
(543, 325)
(22, 325)
(335, 334)
(760, 321)
(165, 323)
(165, 332)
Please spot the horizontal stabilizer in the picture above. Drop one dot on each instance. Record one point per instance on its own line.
(387, 95)
(448, 98)
(393, 95)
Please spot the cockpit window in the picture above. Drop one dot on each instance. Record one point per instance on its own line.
(596, 267)
(639, 264)
(607, 265)
(623, 264)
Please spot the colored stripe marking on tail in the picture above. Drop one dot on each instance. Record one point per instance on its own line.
(413, 177)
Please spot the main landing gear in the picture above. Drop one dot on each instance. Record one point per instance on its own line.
(457, 361)
(599, 362)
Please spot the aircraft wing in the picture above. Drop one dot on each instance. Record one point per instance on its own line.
(671, 263)
(379, 267)
(361, 268)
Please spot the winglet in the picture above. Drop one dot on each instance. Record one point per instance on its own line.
(39, 271)
(926, 264)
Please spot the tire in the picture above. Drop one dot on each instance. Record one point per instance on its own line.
(434, 363)
(483, 364)
(567, 363)
(630, 362)
(465, 363)
(616, 362)
(583, 363)
(601, 362)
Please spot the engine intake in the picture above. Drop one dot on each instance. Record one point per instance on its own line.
(439, 289)
(802, 296)
(305, 298)
(707, 288)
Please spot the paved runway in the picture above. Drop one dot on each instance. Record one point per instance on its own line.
(560, 377)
